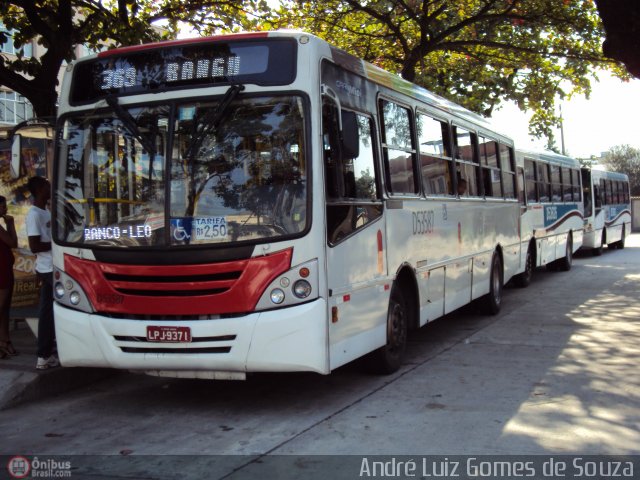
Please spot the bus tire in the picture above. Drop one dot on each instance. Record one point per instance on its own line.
(620, 244)
(492, 301)
(598, 250)
(388, 358)
(564, 264)
(523, 280)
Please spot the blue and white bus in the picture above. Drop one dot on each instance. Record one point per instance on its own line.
(552, 213)
(607, 209)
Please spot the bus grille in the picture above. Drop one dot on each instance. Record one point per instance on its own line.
(175, 285)
(176, 350)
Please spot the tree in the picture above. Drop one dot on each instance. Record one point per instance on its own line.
(621, 19)
(625, 159)
(60, 25)
(478, 53)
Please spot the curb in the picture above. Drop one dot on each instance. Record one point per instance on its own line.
(18, 387)
(21, 383)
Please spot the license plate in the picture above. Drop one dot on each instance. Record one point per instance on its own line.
(168, 334)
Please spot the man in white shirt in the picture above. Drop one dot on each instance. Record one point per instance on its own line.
(39, 232)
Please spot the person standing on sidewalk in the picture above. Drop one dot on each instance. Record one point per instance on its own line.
(39, 233)
(8, 240)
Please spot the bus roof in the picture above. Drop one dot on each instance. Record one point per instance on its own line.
(550, 157)
(399, 84)
(341, 58)
(599, 171)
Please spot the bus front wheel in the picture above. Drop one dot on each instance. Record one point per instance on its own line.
(388, 358)
(524, 279)
(492, 301)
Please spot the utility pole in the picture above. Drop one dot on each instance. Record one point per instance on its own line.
(564, 152)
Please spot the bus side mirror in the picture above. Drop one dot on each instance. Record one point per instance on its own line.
(350, 136)
(16, 148)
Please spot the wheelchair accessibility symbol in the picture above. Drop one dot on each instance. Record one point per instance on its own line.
(181, 228)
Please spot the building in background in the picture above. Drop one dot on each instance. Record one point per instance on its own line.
(36, 155)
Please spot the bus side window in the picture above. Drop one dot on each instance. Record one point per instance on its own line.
(398, 148)
(575, 180)
(466, 167)
(625, 185)
(330, 150)
(508, 173)
(556, 184)
(544, 186)
(435, 157)
(521, 188)
(597, 194)
(353, 200)
(490, 167)
(530, 178)
(567, 191)
(607, 192)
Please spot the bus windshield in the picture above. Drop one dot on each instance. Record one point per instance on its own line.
(212, 174)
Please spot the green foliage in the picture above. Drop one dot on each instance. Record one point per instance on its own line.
(477, 53)
(625, 159)
(61, 25)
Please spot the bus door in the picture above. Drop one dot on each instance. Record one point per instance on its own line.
(523, 221)
(356, 265)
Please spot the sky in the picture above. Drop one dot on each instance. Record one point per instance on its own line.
(610, 117)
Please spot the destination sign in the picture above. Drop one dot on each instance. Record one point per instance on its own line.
(264, 62)
(116, 232)
(202, 69)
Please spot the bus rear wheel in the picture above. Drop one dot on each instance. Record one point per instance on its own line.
(388, 358)
(524, 279)
(565, 263)
(492, 301)
(598, 250)
(620, 243)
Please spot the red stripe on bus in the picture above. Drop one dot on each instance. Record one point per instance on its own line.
(380, 253)
(204, 289)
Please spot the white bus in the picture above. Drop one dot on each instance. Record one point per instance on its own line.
(607, 209)
(552, 213)
(267, 202)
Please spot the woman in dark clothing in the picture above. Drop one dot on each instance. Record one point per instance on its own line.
(8, 240)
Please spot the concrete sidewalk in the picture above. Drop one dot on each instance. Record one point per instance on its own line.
(20, 382)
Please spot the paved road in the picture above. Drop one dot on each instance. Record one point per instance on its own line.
(554, 373)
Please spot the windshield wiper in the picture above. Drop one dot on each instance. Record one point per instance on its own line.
(203, 127)
(211, 120)
(130, 124)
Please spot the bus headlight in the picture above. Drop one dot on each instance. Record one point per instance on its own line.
(68, 292)
(302, 289)
(297, 285)
(58, 290)
(74, 298)
(277, 296)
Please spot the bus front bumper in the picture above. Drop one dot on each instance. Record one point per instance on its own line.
(283, 340)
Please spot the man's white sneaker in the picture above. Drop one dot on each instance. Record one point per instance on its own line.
(50, 362)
